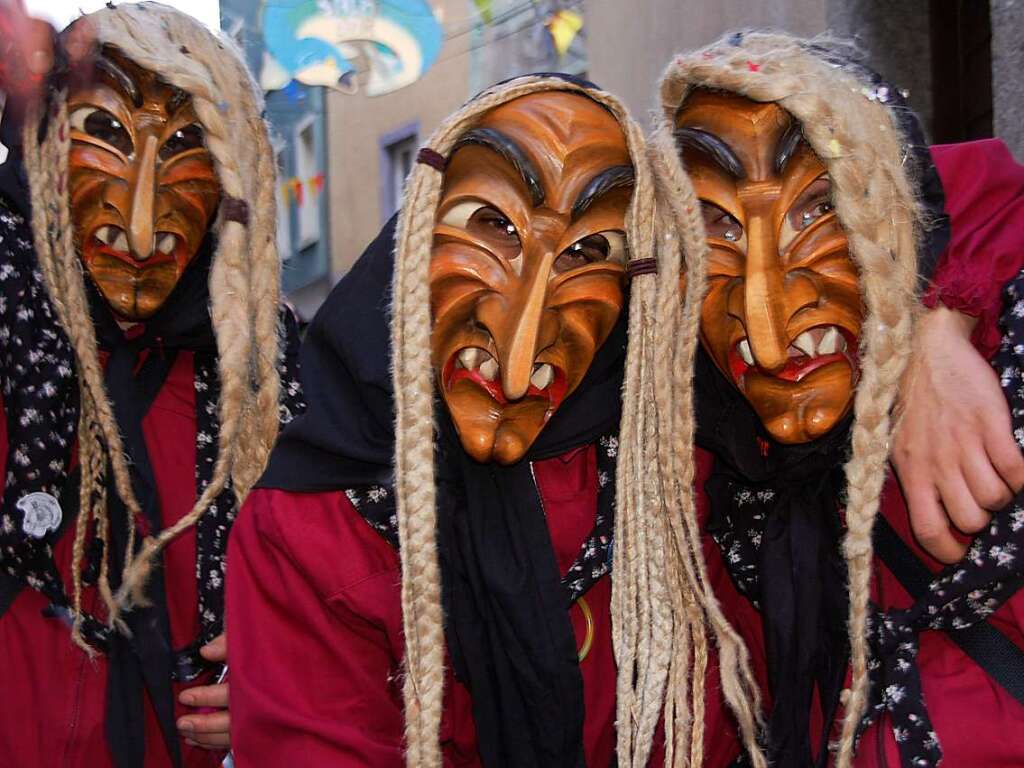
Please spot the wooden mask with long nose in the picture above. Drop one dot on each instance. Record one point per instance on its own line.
(143, 185)
(783, 311)
(527, 272)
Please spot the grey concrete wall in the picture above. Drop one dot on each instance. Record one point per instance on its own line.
(1008, 73)
(895, 36)
(629, 43)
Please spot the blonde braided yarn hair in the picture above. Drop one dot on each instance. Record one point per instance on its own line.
(641, 613)
(860, 142)
(244, 276)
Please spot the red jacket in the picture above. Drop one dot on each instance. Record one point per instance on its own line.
(978, 723)
(53, 697)
(315, 631)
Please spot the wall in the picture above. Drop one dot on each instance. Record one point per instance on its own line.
(356, 124)
(305, 275)
(896, 38)
(1007, 68)
(630, 44)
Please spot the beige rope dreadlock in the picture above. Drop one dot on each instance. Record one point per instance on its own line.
(641, 621)
(860, 143)
(244, 277)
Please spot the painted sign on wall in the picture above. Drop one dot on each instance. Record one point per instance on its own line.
(320, 42)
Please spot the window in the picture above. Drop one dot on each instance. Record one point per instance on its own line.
(398, 154)
(284, 209)
(305, 170)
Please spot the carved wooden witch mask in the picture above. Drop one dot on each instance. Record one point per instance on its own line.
(528, 269)
(143, 185)
(783, 311)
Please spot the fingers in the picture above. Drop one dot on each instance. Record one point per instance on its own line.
(219, 741)
(987, 488)
(216, 649)
(206, 729)
(964, 512)
(79, 42)
(206, 696)
(1006, 457)
(212, 722)
(211, 731)
(930, 524)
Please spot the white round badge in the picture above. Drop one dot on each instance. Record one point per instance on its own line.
(42, 513)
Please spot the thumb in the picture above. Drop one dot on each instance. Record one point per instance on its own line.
(216, 649)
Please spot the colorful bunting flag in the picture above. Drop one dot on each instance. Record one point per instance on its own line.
(564, 25)
(484, 7)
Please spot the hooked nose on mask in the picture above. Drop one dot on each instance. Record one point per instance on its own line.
(143, 200)
(517, 342)
(763, 297)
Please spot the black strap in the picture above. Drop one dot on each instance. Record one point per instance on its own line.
(9, 589)
(990, 649)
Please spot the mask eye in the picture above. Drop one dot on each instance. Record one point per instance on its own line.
(487, 224)
(102, 125)
(815, 212)
(720, 224)
(183, 139)
(604, 246)
(813, 204)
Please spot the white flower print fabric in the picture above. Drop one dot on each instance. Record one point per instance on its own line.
(961, 596)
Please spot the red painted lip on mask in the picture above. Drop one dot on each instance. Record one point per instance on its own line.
(799, 366)
(554, 393)
(93, 247)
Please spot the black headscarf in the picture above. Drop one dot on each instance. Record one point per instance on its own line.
(505, 603)
(774, 516)
(145, 660)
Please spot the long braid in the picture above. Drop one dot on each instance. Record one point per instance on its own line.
(860, 143)
(227, 103)
(190, 58)
(676, 340)
(266, 300)
(47, 171)
(414, 430)
(642, 617)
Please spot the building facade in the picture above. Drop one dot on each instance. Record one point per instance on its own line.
(298, 120)
(373, 140)
(959, 59)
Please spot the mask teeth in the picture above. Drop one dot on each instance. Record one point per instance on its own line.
(805, 343)
(489, 369)
(744, 349)
(167, 243)
(543, 375)
(476, 359)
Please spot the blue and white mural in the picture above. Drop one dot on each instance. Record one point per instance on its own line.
(316, 42)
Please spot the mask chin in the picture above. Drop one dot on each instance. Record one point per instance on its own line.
(133, 295)
(795, 413)
(492, 432)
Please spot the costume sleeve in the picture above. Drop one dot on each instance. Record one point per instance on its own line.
(984, 189)
(311, 682)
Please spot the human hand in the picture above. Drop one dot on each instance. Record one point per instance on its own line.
(208, 729)
(28, 55)
(953, 450)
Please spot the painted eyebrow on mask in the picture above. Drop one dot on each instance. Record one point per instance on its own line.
(120, 79)
(712, 146)
(787, 145)
(616, 177)
(508, 149)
